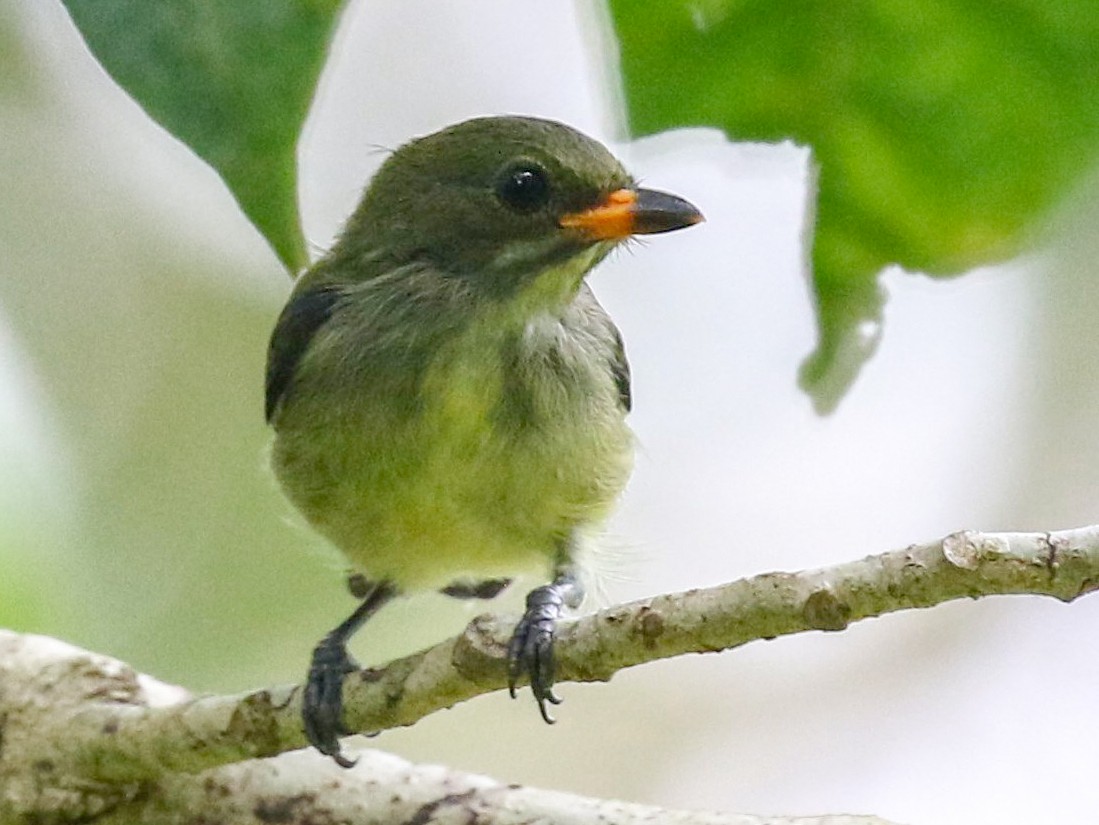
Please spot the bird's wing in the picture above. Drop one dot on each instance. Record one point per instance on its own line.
(306, 312)
(620, 368)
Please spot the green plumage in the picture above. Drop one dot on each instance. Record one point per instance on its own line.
(457, 413)
(472, 448)
(448, 397)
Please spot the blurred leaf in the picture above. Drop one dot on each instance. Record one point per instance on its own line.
(233, 81)
(943, 130)
(137, 517)
(27, 589)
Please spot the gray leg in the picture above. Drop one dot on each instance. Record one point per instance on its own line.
(322, 703)
(530, 652)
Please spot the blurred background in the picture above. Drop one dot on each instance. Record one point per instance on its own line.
(137, 517)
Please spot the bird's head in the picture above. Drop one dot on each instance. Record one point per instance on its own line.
(503, 201)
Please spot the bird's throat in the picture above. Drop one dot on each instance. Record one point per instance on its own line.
(550, 289)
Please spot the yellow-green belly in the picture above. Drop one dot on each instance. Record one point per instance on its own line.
(489, 476)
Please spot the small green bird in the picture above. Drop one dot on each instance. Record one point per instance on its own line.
(447, 395)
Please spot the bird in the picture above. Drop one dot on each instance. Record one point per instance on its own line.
(447, 396)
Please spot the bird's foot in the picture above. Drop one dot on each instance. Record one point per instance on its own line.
(322, 703)
(486, 589)
(530, 651)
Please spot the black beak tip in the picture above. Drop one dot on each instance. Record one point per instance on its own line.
(658, 212)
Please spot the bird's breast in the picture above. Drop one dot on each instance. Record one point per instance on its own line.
(516, 439)
(541, 397)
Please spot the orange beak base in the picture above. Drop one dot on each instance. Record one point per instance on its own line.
(627, 212)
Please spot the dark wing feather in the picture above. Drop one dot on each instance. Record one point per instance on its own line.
(620, 368)
(305, 313)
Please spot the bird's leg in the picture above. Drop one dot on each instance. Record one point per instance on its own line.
(486, 589)
(322, 703)
(530, 651)
(358, 585)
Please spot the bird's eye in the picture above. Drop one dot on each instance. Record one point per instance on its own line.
(524, 187)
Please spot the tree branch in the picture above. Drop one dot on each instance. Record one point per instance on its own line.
(112, 732)
(299, 788)
(51, 689)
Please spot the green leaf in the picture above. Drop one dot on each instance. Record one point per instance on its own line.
(944, 130)
(232, 80)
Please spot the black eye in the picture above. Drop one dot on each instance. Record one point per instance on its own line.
(524, 188)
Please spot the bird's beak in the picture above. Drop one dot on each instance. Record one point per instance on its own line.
(627, 212)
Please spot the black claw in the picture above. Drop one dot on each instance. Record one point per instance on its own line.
(530, 651)
(549, 720)
(343, 761)
(322, 703)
